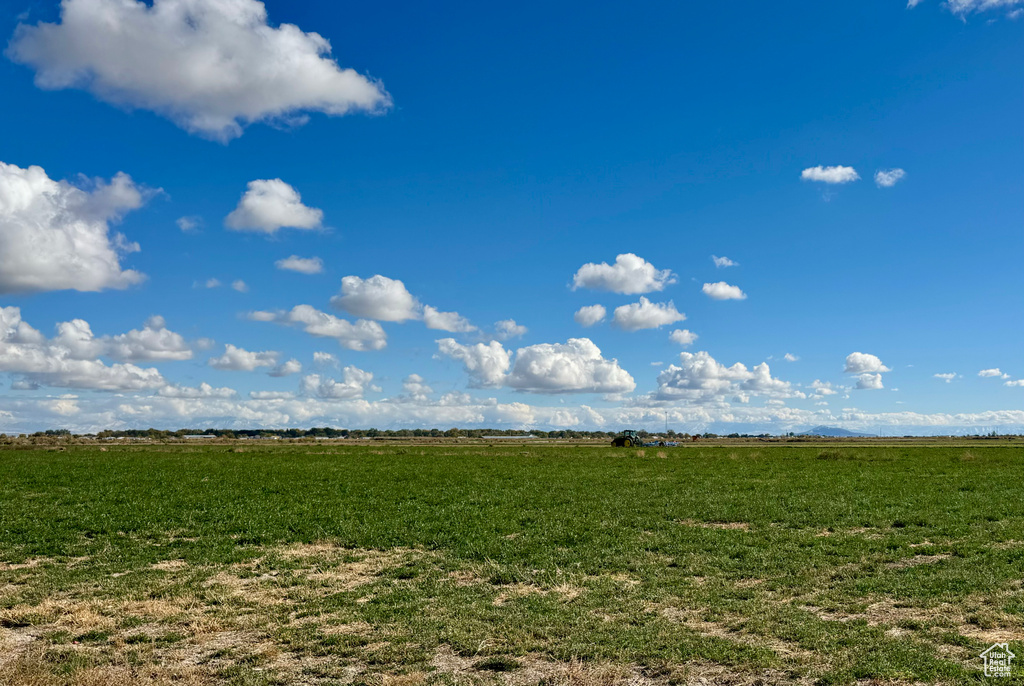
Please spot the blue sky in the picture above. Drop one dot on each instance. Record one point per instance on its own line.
(484, 157)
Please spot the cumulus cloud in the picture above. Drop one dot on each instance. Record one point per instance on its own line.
(323, 359)
(271, 204)
(721, 262)
(416, 387)
(858, 363)
(646, 315)
(590, 315)
(378, 298)
(507, 329)
(629, 275)
(723, 291)
(833, 175)
(575, 366)
(947, 377)
(212, 283)
(683, 337)
(445, 321)
(486, 363)
(203, 390)
(70, 359)
(271, 395)
(869, 382)
(288, 368)
(55, 236)
(240, 286)
(354, 384)
(242, 360)
(1017, 382)
(822, 387)
(362, 335)
(790, 357)
(700, 378)
(887, 178)
(996, 372)
(210, 66)
(154, 342)
(302, 265)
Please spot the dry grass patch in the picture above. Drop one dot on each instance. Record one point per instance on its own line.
(735, 526)
(566, 592)
(533, 669)
(733, 629)
(918, 560)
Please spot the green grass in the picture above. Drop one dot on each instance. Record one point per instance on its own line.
(779, 563)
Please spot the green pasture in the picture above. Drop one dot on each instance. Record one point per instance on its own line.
(369, 563)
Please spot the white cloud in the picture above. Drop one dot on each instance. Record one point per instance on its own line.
(590, 315)
(322, 359)
(210, 66)
(302, 265)
(240, 286)
(992, 373)
(271, 395)
(887, 178)
(189, 224)
(833, 175)
(1018, 382)
(274, 409)
(362, 335)
(723, 291)
(962, 8)
(354, 384)
(376, 298)
(70, 360)
(416, 387)
(507, 329)
(154, 342)
(869, 382)
(55, 236)
(948, 377)
(212, 283)
(486, 363)
(204, 390)
(646, 315)
(288, 368)
(858, 363)
(702, 379)
(575, 366)
(683, 337)
(721, 262)
(822, 387)
(271, 204)
(239, 359)
(629, 275)
(790, 357)
(445, 321)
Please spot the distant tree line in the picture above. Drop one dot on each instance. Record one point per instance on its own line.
(329, 432)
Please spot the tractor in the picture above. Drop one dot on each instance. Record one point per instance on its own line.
(626, 439)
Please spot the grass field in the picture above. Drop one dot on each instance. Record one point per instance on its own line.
(524, 564)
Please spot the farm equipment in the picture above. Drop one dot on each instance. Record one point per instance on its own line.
(626, 439)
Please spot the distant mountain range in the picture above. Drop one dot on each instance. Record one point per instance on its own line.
(832, 431)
